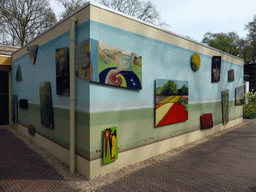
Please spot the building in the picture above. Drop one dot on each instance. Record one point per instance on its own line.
(250, 75)
(118, 67)
(5, 83)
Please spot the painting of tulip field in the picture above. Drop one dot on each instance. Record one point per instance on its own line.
(171, 101)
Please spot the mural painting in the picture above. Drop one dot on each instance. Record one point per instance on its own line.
(110, 152)
(239, 95)
(62, 71)
(83, 64)
(32, 51)
(171, 104)
(46, 108)
(15, 109)
(18, 76)
(216, 66)
(195, 61)
(206, 121)
(118, 67)
(231, 75)
(225, 106)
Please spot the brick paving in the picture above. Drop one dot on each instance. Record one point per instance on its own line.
(22, 169)
(224, 163)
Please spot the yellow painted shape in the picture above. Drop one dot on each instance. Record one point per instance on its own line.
(161, 111)
(175, 99)
(5, 61)
(166, 100)
(123, 83)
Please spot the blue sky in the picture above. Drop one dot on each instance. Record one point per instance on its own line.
(194, 18)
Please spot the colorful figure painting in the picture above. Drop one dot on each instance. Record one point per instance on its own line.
(62, 71)
(32, 51)
(83, 64)
(225, 106)
(206, 121)
(240, 95)
(231, 75)
(15, 109)
(118, 67)
(18, 76)
(171, 104)
(110, 152)
(46, 108)
(216, 66)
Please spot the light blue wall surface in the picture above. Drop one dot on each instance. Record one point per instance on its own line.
(159, 61)
(45, 70)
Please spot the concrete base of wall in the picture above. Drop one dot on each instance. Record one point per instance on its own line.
(95, 168)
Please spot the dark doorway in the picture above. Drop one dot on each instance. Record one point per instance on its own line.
(4, 98)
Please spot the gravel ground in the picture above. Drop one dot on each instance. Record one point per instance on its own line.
(80, 183)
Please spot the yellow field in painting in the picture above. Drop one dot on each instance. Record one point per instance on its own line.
(166, 100)
(171, 99)
(175, 99)
(161, 111)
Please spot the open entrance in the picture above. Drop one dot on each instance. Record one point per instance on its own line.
(4, 98)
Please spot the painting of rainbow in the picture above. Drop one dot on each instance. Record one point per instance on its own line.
(171, 101)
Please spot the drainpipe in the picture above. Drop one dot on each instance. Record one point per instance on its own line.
(72, 94)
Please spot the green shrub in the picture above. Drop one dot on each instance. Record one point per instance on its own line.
(250, 105)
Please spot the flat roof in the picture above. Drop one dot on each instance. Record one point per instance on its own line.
(129, 17)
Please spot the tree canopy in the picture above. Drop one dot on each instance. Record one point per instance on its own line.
(223, 41)
(251, 40)
(170, 88)
(22, 20)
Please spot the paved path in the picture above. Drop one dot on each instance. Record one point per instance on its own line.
(224, 163)
(22, 169)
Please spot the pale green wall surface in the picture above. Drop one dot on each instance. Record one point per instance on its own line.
(136, 127)
(132, 111)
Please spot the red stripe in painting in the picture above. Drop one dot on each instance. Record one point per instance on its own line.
(177, 113)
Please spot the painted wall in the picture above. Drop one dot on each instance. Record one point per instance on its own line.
(164, 56)
(45, 70)
(132, 111)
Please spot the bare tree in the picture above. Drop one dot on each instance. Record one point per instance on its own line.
(22, 20)
(143, 10)
(70, 6)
